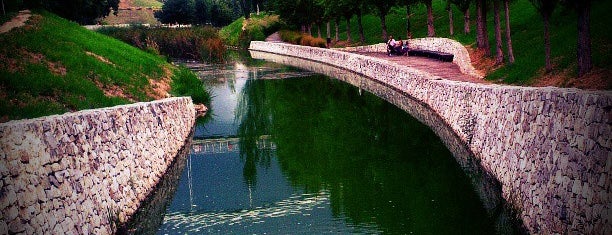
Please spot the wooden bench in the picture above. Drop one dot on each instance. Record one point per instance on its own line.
(446, 57)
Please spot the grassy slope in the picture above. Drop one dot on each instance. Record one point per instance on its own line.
(45, 69)
(527, 35)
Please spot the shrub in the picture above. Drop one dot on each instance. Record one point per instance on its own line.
(186, 43)
(186, 83)
(302, 39)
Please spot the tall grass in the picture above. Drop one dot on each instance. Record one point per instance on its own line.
(197, 43)
(301, 39)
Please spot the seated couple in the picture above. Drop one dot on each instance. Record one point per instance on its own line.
(396, 47)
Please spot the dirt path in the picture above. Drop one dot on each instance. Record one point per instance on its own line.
(16, 22)
(275, 37)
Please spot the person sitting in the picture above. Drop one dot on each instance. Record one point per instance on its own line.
(391, 44)
(401, 48)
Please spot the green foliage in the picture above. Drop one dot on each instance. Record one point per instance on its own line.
(200, 12)
(177, 11)
(81, 11)
(186, 83)
(527, 35)
(197, 43)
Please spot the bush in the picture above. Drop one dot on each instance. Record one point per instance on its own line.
(186, 83)
(302, 39)
(186, 43)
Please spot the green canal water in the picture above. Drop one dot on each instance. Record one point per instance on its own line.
(289, 151)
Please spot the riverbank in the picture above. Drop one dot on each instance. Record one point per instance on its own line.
(51, 66)
(537, 142)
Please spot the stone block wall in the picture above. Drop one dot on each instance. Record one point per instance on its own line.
(550, 148)
(84, 172)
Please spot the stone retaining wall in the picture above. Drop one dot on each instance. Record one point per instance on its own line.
(550, 148)
(84, 172)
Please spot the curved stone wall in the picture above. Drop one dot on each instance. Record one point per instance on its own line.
(550, 148)
(85, 172)
(461, 55)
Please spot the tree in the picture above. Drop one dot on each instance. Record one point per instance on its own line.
(177, 11)
(245, 5)
(451, 25)
(482, 37)
(201, 12)
(546, 8)
(464, 6)
(81, 11)
(383, 8)
(220, 15)
(408, 4)
(499, 53)
(583, 53)
(508, 35)
(431, 31)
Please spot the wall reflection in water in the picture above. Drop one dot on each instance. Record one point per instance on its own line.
(315, 155)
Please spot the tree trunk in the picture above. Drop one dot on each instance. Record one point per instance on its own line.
(584, 38)
(466, 21)
(499, 53)
(319, 30)
(337, 26)
(383, 22)
(348, 30)
(547, 43)
(431, 31)
(482, 37)
(328, 30)
(451, 25)
(508, 35)
(361, 35)
(408, 32)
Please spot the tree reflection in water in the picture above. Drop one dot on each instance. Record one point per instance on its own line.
(380, 165)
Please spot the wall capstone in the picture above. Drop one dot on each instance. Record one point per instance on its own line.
(81, 172)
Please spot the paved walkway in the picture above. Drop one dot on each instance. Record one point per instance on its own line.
(445, 70)
(16, 22)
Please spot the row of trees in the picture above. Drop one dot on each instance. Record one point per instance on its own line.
(200, 12)
(305, 13)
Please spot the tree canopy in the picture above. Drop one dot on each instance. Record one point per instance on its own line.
(81, 11)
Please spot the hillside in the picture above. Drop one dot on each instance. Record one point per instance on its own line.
(134, 12)
(527, 38)
(51, 66)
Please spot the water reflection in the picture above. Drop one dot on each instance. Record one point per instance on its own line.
(316, 155)
(488, 188)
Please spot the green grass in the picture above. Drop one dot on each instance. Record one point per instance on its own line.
(147, 3)
(257, 29)
(51, 66)
(527, 35)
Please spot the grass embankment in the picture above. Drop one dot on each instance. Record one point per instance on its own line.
(527, 38)
(257, 28)
(51, 66)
